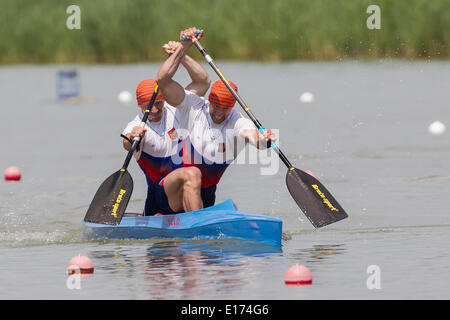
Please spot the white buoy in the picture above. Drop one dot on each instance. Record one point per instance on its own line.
(125, 97)
(436, 128)
(307, 97)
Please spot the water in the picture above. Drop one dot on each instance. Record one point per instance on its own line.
(365, 137)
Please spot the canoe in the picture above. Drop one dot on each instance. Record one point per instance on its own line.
(220, 221)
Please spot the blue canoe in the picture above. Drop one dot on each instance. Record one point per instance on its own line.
(217, 222)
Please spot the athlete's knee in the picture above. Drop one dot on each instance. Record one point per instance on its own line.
(192, 177)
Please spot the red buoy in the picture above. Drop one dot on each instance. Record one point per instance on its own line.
(80, 264)
(12, 174)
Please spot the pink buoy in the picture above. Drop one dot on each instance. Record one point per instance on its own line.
(80, 264)
(12, 174)
(311, 173)
(298, 275)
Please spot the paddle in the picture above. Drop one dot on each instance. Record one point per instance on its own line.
(311, 196)
(111, 199)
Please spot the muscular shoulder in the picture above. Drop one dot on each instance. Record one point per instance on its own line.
(190, 109)
(241, 123)
(238, 121)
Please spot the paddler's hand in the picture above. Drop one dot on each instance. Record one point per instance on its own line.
(190, 34)
(171, 46)
(137, 132)
(129, 137)
(266, 138)
(256, 138)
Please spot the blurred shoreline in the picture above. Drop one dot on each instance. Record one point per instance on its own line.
(119, 31)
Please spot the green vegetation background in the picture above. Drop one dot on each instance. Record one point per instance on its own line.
(124, 31)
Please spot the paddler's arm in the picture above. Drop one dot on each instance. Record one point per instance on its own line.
(171, 90)
(256, 138)
(200, 78)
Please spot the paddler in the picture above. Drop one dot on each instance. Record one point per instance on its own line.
(158, 153)
(216, 133)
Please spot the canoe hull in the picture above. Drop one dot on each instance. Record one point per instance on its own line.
(218, 222)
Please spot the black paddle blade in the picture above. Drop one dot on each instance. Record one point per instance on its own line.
(111, 199)
(314, 199)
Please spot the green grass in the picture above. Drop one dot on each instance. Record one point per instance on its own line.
(123, 31)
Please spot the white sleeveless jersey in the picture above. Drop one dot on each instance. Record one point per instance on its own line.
(209, 146)
(160, 148)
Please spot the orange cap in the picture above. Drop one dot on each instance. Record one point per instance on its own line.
(144, 91)
(221, 96)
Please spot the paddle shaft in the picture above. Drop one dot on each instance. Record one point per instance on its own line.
(241, 102)
(311, 196)
(144, 120)
(136, 140)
